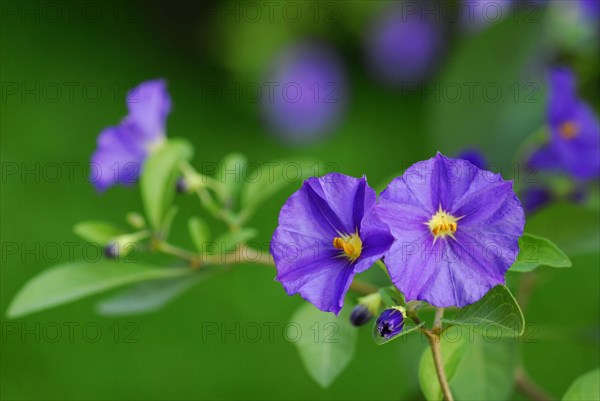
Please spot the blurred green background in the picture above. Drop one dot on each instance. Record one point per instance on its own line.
(384, 130)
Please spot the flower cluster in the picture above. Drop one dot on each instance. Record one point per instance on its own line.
(447, 231)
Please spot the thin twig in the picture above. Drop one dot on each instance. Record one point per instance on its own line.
(526, 386)
(436, 351)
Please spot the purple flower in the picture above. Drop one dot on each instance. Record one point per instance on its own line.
(474, 157)
(122, 149)
(308, 93)
(403, 47)
(456, 228)
(535, 198)
(327, 233)
(574, 144)
(360, 315)
(390, 323)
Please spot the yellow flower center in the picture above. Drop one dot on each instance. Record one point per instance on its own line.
(568, 130)
(443, 224)
(350, 244)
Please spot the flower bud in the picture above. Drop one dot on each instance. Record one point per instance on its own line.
(391, 322)
(360, 315)
(111, 251)
(181, 186)
(135, 220)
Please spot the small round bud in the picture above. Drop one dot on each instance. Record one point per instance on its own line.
(181, 186)
(390, 323)
(135, 220)
(360, 315)
(111, 251)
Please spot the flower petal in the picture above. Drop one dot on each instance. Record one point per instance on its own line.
(118, 158)
(149, 105)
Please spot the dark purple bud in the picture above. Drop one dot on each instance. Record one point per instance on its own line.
(181, 186)
(360, 315)
(390, 323)
(474, 156)
(111, 251)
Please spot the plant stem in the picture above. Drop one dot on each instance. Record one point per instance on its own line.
(529, 388)
(437, 321)
(436, 351)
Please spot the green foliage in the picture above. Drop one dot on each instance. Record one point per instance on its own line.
(199, 232)
(229, 178)
(537, 251)
(232, 239)
(585, 388)
(486, 103)
(390, 296)
(452, 353)
(148, 296)
(99, 232)
(269, 178)
(326, 343)
(72, 281)
(486, 369)
(496, 314)
(158, 178)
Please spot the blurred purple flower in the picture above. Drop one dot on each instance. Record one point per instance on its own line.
(534, 198)
(122, 149)
(478, 14)
(309, 93)
(474, 156)
(327, 233)
(574, 131)
(590, 8)
(403, 46)
(456, 229)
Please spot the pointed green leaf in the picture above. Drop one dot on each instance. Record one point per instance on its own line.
(326, 343)
(537, 251)
(497, 314)
(452, 353)
(159, 176)
(199, 232)
(585, 388)
(99, 232)
(229, 177)
(69, 282)
(147, 296)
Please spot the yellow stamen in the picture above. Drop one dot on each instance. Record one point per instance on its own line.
(443, 224)
(350, 244)
(568, 130)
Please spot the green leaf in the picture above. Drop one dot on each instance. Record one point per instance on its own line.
(99, 232)
(578, 233)
(147, 296)
(537, 251)
(390, 296)
(409, 327)
(585, 388)
(232, 239)
(229, 177)
(269, 178)
(486, 369)
(199, 232)
(326, 343)
(452, 353)
(159, 176)
(496, 314)
(69, 282)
